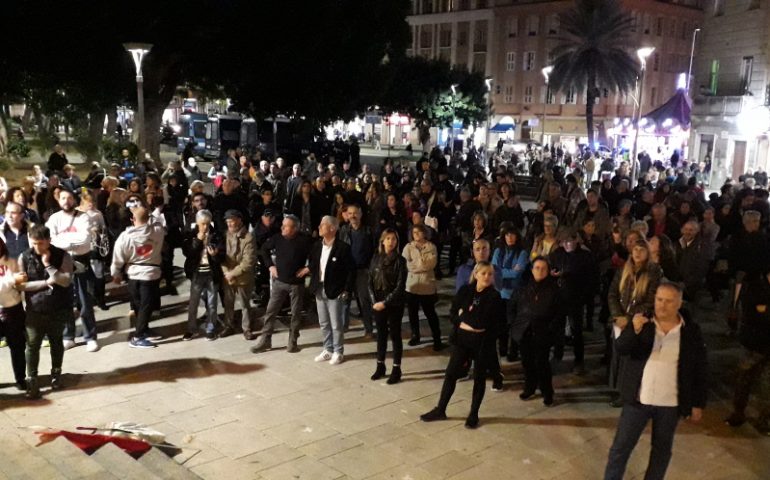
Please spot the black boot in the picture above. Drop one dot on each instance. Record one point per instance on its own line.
(379, 372)
(472, 421)
(264, 343)
(33, 390)
(56, 383)
(433, 415)
(395, 375)
(293, 347)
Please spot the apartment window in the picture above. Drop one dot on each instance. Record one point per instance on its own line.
(528, 94)
(513, 27)
(754, 4)
(508, 97)
(462, 38)
(479, 62)
(426, 35)
(533, 23)
(714, 76)
(464, 5)
(510, 61)
(647, 21)
(553, 24)
(529, 61)
(659, 27)
(672, 30)
(480, 37)
(685, 30)
(653, 96)
(655, 62)
(634, 21)
(445, 36)
(427, 6)
(481, 3)
(747, 66)
(605, 93)
(549, 96)
(569, 97)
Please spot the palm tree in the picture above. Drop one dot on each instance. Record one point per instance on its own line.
(595, 53)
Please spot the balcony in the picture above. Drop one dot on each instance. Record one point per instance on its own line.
(718, 106)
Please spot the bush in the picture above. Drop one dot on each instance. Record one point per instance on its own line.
(18, 147)
(6, 164)
(111, 148)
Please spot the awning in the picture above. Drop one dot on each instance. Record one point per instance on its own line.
(675, 112)
(502, 127)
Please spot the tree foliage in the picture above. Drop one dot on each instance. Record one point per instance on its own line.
(422, 88)
(595, 52)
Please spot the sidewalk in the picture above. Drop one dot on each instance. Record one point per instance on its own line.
(275, 415)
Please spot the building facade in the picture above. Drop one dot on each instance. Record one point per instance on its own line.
(510, 41)
(732, 88)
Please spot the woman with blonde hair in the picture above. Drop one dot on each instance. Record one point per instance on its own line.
(100, 246)
(477, 309)
(387, 290)
(632, 291)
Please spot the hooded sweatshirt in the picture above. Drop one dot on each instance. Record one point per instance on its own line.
(139, 249)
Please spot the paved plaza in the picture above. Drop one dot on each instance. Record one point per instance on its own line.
(281, 416)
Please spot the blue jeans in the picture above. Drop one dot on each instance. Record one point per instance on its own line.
(330, 320)
(632, 421)
(202, 287)
(83, 288)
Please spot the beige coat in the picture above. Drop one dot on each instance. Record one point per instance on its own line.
(420, 262)
(239, 258)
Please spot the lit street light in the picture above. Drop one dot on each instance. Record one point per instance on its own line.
(452, 136)
(138, 51)
(488, 82)
(643, 54)
(692, 53)
(546, 74)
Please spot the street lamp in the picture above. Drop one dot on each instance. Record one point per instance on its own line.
(546, 74)
(488, 82)
(692, 53)
(643, 54)
(452, 136)
(138, 51)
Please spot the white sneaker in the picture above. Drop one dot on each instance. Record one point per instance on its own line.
(92, 346)
(323, 356)
(337, 358)
(69, 344)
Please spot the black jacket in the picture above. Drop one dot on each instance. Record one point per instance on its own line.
(692, 376)
(291, 255)
(340, 271)
(192, 248)
(537, 309)
(481, 310)
(754, 332)
(387, 279)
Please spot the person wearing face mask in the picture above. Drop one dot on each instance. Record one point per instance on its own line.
(537, 310)
(475, 310)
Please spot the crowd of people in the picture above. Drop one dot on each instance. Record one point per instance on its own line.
(626, 258)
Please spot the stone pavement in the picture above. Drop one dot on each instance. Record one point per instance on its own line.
(281, 416)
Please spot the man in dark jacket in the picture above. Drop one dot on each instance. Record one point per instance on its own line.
(692, 258)
(332, 273)
(754, 335)
(362, 242)
(288, 269)
(203, 250)
(665, 377)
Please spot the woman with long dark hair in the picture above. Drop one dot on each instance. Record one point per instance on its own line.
(476, 310)
(387, 289)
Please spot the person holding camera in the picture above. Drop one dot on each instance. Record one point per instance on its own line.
(203, 251)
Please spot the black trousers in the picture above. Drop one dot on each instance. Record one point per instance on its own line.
(537, 367)
(145, 293)
(428, 305)
(12, 328)
(469, 347)
(455, 252)
(388, 324)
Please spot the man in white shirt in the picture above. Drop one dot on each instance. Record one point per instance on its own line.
(664, 378)
(72, 231)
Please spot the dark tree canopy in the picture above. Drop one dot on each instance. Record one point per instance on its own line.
(596, 52)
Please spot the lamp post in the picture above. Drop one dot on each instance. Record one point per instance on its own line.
(452, 128)
(692, 54)
(546, 74)
(643, 54)
(488, 82)
(138, 51)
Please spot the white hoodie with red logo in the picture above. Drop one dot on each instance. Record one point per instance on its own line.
(139, 250)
